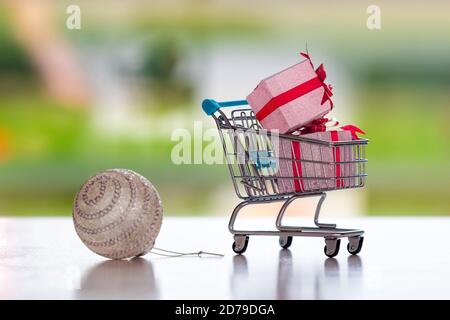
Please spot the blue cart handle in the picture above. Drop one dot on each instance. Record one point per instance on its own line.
(210, 106)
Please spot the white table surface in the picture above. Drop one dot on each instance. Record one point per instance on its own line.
(406, 258)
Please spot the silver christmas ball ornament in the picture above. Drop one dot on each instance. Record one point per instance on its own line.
(118, 214)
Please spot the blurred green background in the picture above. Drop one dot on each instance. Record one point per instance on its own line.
(73, 102)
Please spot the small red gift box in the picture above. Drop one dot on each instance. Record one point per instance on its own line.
(291, 98)
(308, 166)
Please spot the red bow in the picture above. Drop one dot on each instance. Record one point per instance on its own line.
(321, 125)
(318, 125)
(353, 129)
(321, 75)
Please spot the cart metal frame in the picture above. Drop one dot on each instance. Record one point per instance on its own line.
(254, 157)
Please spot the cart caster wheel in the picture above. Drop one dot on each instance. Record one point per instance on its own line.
(331, 248)
(355, 244)
(285, 241)
(240, 244)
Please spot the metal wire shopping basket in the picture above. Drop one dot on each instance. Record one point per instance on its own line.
(265, 167)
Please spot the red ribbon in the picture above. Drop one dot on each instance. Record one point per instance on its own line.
(353, 129)
(298, 91)
(317, 125)
(322, 75)
(297, 167)
(322, 124)
(337, 157)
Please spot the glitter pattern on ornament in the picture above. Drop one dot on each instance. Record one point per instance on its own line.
(118, 214)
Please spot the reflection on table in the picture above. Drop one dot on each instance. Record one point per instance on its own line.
(118, 279)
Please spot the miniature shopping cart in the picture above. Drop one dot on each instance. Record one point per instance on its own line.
(255, 156)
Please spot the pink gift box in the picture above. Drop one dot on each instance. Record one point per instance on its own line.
(291, 98)
(316, 176)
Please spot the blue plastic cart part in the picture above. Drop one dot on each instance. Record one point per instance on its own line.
(263, 159)
(210, 106)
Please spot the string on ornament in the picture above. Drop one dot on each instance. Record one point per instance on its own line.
(174, 254)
